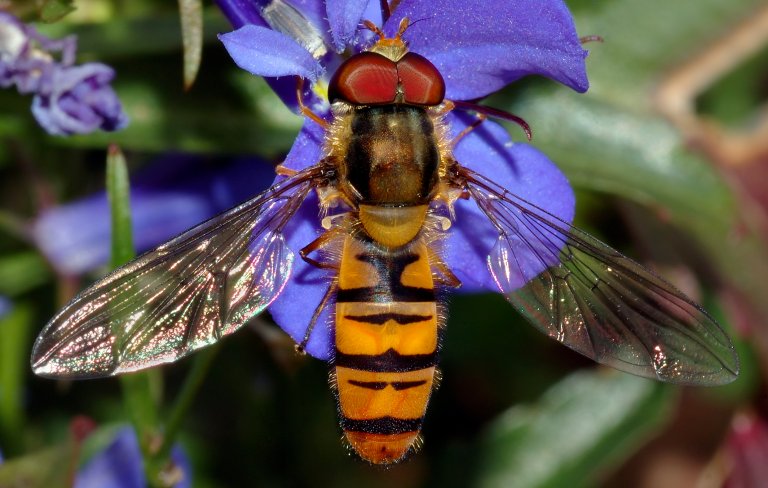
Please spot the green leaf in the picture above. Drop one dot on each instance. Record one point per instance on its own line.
(54, 10)
(42, 469)
(118, 192)
(191, 12)
(15, 331)
(582, 426)
(21, 272)
(645, 39)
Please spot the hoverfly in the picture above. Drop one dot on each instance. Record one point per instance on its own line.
(389, 171)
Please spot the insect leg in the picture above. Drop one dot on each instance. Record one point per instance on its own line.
(332, 289)
(306, 111)
(444, 275)
(480, 119)
(319, 243)
(325, 239)
(491, 112)
(283, 171)
(591, 38)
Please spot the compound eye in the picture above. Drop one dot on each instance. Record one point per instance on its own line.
(364, 79)
(422, 83)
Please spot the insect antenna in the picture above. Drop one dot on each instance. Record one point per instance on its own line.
(374, 28)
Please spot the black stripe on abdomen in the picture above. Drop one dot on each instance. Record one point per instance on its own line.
(390, 361)
(386, 294)
(382, 425)
(381, 318)
(369, 385)
(380, 385)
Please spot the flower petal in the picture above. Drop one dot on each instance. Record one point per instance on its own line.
(118, 466)
(264, 52)
(307, 148)
(241, 12)
(479, 48)
(344, 18)
(520, 168)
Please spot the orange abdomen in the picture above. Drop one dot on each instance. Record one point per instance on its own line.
(386, 346)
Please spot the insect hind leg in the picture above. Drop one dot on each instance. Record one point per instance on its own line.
(327, 298)
(326, 240)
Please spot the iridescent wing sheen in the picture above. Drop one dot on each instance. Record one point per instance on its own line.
(596, 301)
(184, 295)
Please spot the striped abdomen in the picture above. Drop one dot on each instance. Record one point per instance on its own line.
(386, 346)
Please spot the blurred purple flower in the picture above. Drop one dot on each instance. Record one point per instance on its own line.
(171, 195)
(78, 100)
(747, 449)
(479, 47)
(120, 465)
(5, 306)
(14, 42)
(68, 99)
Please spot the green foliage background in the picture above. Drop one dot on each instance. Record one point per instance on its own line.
(514, 409)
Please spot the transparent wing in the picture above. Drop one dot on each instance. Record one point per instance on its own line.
(186, 294)
(596, 301)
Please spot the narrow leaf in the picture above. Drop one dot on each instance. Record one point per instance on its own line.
(118, 191)
(191, 12)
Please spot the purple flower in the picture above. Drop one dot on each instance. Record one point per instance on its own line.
(171, 195)
(479, 47)
(120, 465)
(78, 100)
(68, 99)
(14, 42)
(25, 55)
